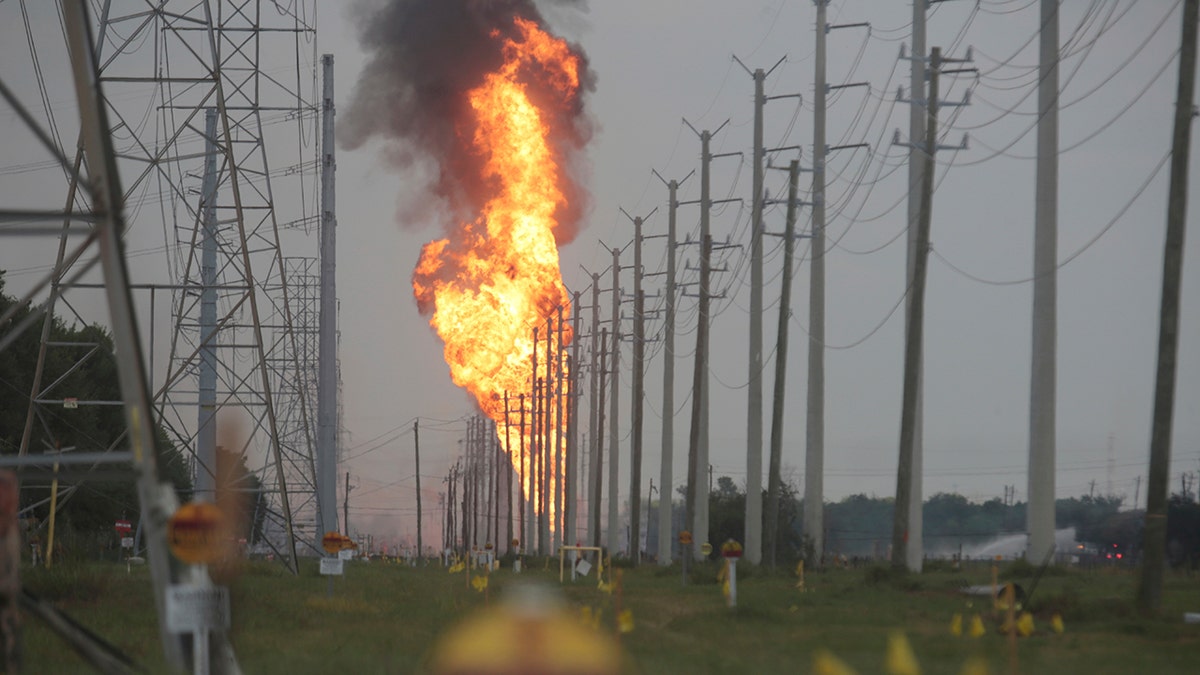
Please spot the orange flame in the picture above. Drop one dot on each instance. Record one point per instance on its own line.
(489, 286)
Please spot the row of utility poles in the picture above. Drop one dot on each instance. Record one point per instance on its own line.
(604, 363)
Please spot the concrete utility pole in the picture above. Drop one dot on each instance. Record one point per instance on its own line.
(754, 418)
(327, 386)
(614, 448)
(595, 424)
(571, 508)
(417, 456)
(497, 483)
(508, 469)
(559, 439)
(665, 536)
(486, 478)
(1043, 375)
(206, 430)
(1155, 534)
(523, 479)
(464, 473)
(346, 505)
(548, 445)
(814, 464)
(774, 473)
(476, 480)
(903, 521)
(598, 459)
(814, 430)
(696, 504)
(535, 444)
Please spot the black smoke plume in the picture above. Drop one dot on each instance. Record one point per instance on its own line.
(423, 56)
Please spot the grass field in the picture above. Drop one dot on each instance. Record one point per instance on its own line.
(383, 618)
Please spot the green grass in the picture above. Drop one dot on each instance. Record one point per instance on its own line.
(383, 618)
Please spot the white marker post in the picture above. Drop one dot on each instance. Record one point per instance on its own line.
(731, 551)
(198, 609)
(332, 567)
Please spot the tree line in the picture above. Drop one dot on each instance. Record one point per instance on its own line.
(860, 526)
(81, 366)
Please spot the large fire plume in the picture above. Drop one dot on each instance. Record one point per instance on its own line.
(504, 124)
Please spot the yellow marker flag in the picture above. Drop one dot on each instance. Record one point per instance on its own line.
(589, 617)
(604, 587)
(977, 630)
(625, 621)
(480, 583)
(1025, 624)
(900, 657)
(825, 663)
(975, 666)
(1056, 624)
(956, 625)
(457, 567)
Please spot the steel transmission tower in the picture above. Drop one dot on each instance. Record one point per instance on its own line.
(146, 80)
(215, 106)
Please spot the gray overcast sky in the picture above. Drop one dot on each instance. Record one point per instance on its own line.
(659, 61)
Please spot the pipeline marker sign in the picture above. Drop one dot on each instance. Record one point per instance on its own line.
(346, 554)
(194, 533)
(332, 566)
(192, 607)
(332, 542)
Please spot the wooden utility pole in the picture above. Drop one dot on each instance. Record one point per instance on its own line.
(639, 394)
(914, 332)
(1155, 533)
(917, 123)
(774, 471)
(635, 466)
(417, 455)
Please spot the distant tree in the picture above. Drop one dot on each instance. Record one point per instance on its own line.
(88, 373)
(726, 514)
(727, 519)
(1183, 531)
(858, 525)
(1088, 515)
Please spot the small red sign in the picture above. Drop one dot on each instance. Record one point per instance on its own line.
(123, 527)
